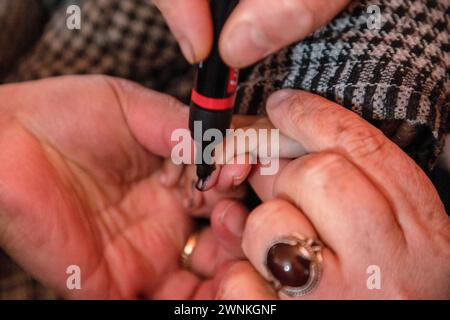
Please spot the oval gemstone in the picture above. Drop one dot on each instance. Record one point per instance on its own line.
(288, 266)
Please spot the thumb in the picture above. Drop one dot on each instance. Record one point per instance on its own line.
(152, 117)
(191, 24)
(258, 28)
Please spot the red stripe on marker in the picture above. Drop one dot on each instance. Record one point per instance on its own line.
(212, 103)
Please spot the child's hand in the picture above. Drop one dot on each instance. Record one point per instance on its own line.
(221, 200)
(234, 165)
(198, 203)
(224, 208)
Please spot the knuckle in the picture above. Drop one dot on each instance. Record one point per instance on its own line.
(303, 9)
(360, 140)
(301, 105)
(266, 209)
(119, 89)
(324, 168)
(294, 111)
(299, 18)
(261, 215)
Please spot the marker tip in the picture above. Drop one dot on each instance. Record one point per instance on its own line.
(200, 185)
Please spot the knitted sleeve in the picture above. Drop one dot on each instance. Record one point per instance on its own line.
(396, 77)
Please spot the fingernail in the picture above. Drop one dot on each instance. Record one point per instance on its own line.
(187, 49)
(245, 44)
(287, 265)
(233, 220)
(279, 97)
(201, 184)
(237, 181)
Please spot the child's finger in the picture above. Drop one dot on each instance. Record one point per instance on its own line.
(170, 173)
(258, 143)
(232, 175)
(193, 200)
(209, 255)
(201, 204)
(263, 184)
(261, 140)
(213, 197)
(227, 223)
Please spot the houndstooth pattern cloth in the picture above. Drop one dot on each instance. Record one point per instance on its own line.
(398, 74)
(127, 39)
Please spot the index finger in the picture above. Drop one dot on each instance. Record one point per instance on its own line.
(321, 125)
(258, 28)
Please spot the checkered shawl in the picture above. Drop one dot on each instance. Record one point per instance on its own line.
(397, 74)
(391, 76)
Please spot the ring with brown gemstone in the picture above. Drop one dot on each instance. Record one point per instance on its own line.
(295, 265)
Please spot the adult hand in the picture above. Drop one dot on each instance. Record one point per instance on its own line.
(79, 185)
(368, 202)
(256, 28)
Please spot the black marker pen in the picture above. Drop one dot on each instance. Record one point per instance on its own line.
(213, 96)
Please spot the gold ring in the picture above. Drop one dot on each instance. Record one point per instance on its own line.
(188, 249)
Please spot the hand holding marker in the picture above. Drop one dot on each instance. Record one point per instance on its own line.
(213, 96)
